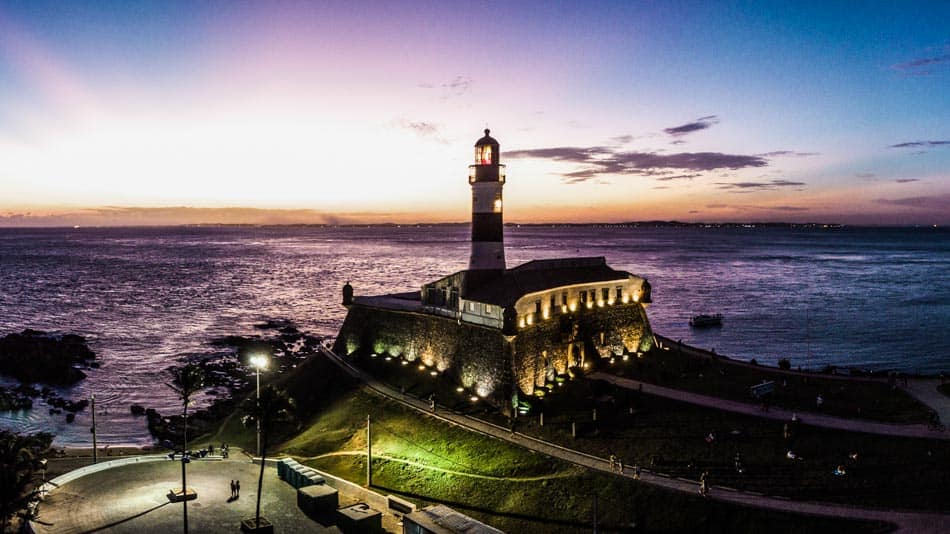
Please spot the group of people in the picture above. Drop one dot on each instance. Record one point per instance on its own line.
(202, 453)
(235, 489)
(617, 463)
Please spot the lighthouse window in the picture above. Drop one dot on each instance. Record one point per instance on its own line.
(483, 155)
(537, 306)
(583, 296)
(605, 293)
(497, 205)
(564, 298)
(619, 292)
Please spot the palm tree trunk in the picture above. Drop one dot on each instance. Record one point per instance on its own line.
(260, 480)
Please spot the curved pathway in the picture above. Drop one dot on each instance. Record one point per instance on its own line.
(561, 474)
(907, 521)
(778, 414)
(925, 390)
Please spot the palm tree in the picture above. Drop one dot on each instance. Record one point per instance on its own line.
(19, 462)
(273, 407)
(185, 382)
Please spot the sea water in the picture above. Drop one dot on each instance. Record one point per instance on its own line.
(876, 298)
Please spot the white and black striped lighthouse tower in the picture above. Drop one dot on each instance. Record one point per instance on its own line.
(487, 177)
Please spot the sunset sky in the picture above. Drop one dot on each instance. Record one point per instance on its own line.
(279, 112)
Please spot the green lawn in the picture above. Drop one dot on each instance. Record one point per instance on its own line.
(429, 461)
(728, 379)
(893, 472)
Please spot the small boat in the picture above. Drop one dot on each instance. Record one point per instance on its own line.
(703, 320)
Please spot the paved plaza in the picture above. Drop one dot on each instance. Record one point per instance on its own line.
(133, 498)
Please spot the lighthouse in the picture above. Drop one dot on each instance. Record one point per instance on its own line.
(487, 177)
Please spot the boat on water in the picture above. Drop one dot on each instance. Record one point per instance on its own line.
(703, 320)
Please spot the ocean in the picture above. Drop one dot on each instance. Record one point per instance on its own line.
(876, 298)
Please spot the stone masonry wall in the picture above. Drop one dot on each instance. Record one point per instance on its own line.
(475, 356)
(554, 345)
(485, 360)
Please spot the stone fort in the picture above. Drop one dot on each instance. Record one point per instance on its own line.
(504, 333)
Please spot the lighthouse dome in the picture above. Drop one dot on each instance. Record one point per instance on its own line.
(487, 140)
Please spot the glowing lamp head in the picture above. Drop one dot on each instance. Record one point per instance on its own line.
(486, 150)
(259, 362)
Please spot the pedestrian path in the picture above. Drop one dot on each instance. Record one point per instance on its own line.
(907, 521)
(921, 430)
(925, 390)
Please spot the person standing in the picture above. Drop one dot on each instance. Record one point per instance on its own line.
(232, 489)
(237, 489)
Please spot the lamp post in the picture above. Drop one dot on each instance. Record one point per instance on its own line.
(259, 362)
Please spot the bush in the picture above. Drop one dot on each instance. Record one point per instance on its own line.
(784, 364)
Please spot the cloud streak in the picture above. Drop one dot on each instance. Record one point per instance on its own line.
(699, 124)
(601, 160)
(921, 66)
(745, 187)
(919, 144)
(937, 203)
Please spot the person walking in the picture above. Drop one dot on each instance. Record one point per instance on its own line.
(237, 489)
(636, 472)
(232, 489)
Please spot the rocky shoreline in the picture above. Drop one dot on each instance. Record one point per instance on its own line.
(229, 378)
(37, 357)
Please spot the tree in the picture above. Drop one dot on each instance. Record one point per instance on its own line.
(20, 459)
(186, 381)
(273, 407)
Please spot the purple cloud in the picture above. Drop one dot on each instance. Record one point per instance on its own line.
(921, 66)
(699, 124)
(930, 203)
(599, 160)
(746, 187)
(915, 144)
(788, 153)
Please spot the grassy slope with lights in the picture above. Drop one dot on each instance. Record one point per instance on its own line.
(501, 484)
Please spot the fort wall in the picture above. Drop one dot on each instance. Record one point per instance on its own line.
(485, 360)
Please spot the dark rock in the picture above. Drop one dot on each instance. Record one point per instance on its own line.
(36, 357)
(137, 409)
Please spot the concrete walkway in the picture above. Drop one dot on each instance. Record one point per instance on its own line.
(779, 414)
(925, 390)
(907, 521)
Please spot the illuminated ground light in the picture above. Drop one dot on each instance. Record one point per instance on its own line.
(405, 362)
(626, 357)
(373, 355)
(586, 365)
(422, 367)
(389, 358)
(460, 389)
(434, 373)
(473, 398)
(613, 361)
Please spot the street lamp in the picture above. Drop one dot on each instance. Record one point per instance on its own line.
(259, 362)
